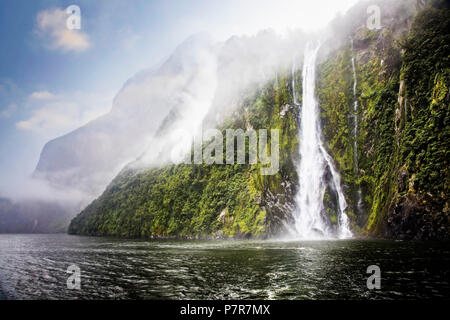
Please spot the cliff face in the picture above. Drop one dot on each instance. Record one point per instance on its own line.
(401, 164)
(391, 146)
(207, 200)
(199, 77)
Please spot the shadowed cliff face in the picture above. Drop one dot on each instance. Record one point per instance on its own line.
(34, 216)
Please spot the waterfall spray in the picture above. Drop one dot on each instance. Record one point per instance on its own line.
(314, 161)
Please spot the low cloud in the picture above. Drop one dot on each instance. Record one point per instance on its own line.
(51, 25)
(42, 95)
(53, 115)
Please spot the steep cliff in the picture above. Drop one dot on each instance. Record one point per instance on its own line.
(392, 148)
(207, 200)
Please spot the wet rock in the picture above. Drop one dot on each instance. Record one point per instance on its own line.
(411, 217)
(402, 179)
(279, 208)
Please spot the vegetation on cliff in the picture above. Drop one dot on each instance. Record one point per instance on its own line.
(403, 118)
(200, 199)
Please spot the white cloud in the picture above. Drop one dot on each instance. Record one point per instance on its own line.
(51, 25)
(6, 113)
(42, 95)
(60, 114)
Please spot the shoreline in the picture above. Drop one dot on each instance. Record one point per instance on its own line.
(236, 238)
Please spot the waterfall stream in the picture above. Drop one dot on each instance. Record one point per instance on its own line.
(355, 128)
(315, 162)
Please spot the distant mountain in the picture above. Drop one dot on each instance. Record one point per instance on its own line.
(89, 157)
(33, 216)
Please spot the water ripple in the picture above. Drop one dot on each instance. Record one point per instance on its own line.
(34, 267)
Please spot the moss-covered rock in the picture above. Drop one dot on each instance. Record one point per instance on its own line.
(403, 122)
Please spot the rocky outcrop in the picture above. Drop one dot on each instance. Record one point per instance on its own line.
(409, 217)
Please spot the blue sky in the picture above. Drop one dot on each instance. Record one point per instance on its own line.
(53, 80)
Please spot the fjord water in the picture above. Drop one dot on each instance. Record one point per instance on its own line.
(34, 267)
(314, 161)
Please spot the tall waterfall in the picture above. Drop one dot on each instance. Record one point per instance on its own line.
(310, 222)
(355, 128)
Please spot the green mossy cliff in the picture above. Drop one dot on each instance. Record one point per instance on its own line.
(190, 200)
(396, 186)
(403, 132)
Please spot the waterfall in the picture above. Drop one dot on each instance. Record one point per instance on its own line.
(310, 223)
(355, 128)
(355, 114)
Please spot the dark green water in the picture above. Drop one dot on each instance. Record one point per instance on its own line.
(34, 267)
